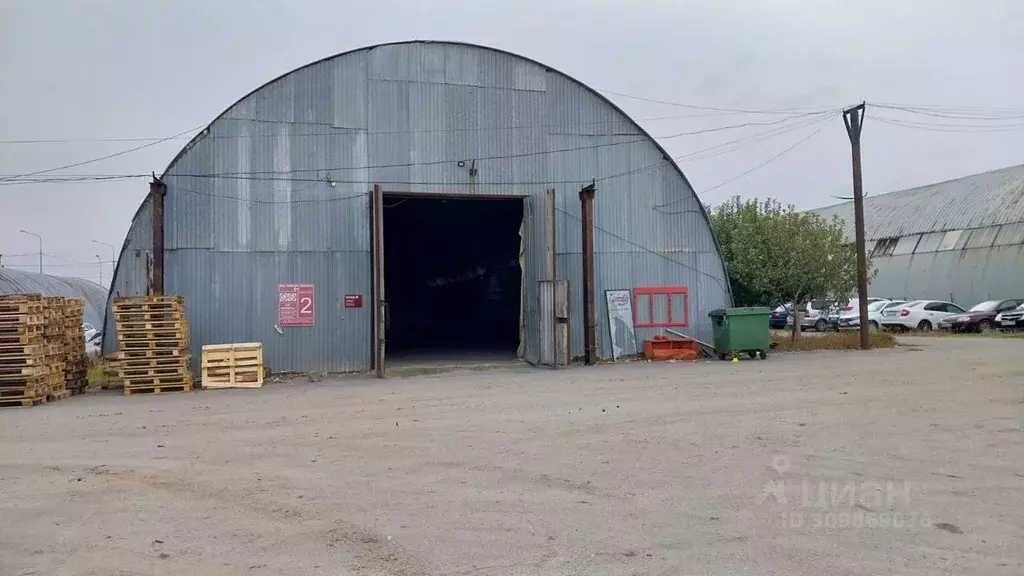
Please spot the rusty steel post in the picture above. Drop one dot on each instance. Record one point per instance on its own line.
(854, 119)
(157, 190)
(589, 314)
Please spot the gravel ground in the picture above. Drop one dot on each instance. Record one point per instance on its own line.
(904, 461)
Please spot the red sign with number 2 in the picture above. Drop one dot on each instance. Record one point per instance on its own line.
(296, 305)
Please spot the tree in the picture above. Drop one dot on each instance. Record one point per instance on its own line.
(774, 253)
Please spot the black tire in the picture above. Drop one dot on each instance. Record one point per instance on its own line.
(762, 355)
(721, 355)
(924, 326)
(820, 325)
(872, 325)
(986, 326)
(752, 353)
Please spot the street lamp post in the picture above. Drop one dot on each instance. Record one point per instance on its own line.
(113, 260)
(100, 260)
(40, 238)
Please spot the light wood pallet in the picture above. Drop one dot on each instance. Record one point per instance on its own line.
(233, 365)
(151, 353)
(128, 335)
(161, 389)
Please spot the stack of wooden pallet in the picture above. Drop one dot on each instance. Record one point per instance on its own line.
(111, 373)
(153, 344)
(73, 345)
(25, 376)
(233, 365)
(53, 341)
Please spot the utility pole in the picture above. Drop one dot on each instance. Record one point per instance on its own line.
(40, 238)
(100, 260)
(854, 119)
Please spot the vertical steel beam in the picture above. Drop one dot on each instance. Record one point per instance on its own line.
(589, 314)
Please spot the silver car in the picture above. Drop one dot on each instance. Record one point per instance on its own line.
(814, 314)
(848, 316)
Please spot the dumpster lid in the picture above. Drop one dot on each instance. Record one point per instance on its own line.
(745, 311)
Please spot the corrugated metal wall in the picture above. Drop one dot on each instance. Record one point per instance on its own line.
(276, 191)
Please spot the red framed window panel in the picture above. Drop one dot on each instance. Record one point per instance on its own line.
(661, 306)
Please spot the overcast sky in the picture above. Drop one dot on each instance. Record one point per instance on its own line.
(113, 69)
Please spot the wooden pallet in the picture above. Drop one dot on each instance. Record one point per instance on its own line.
(127, 325)
(128, 307)
(23, 360)
(233, 365)
(158, 362)
(180, 344)
(152, 353)
(13, 318)
(126, 335)
(128, 373)
(21, 306)
(13, 403)
(16, 393)
(9, 371)
(20, 330)
(151, 381)
(149, 299)
(163, 389)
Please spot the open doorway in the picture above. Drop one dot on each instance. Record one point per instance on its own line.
(452, 278)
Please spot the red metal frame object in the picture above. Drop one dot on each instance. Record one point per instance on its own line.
(652, 293)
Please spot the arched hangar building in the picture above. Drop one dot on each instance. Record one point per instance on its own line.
(442, 178)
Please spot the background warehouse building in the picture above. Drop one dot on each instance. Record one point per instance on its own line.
(95, 296)
(961, 240)
(419, 173)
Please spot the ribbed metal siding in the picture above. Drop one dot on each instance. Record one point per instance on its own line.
(975, 201)
(963, 276)
(402, 116)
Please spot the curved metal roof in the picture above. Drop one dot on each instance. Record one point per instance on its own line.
(987, 199)
(95, 296)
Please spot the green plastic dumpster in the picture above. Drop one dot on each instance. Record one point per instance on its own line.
(739, 330)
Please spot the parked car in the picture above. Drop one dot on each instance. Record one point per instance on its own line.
(94, 344)
(851, 318)
(814, 314)
(779, 317)
(920, 315)
(875, 316)
(88, 330)
(1011, 319)
(981, 317)
(848, 316)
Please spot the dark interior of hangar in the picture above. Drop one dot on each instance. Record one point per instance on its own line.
(451, 275)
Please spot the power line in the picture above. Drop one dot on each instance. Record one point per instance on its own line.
(745, 124)
(743, 142)
(90, 161)
(951, 113)
(773, 158)
(646, 249)
(761, 165)
(722, 110)
(178, 188)
(940, 127)
(338, 131)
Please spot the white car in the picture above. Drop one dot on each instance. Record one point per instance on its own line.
(919, 314)
(88, 330)
(849, 316)
(878, 309)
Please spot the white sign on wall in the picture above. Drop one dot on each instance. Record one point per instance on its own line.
(620, 323)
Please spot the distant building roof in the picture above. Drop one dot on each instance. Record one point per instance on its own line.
(986, 199)
(17, 281)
